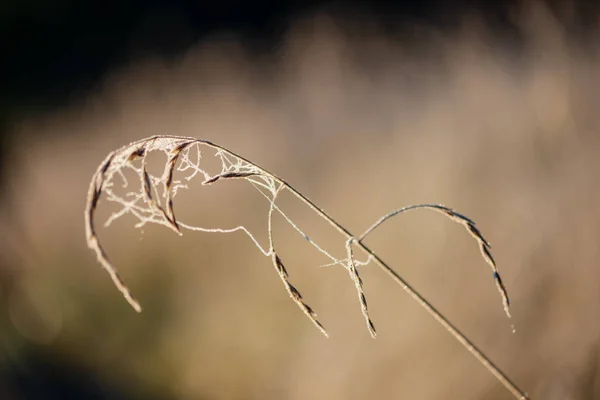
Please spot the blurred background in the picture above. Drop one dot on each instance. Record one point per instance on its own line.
(488, 107)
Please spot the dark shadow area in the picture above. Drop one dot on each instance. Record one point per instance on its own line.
(39, 375)
(53, 52)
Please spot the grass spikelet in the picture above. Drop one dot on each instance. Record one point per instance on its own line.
(469, 224)
(358, 283)
(295, 294)
(229, 175)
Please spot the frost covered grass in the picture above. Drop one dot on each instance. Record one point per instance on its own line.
(153, 202)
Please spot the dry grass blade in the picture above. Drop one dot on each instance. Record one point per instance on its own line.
(469, 224)
(94, 193)
(358, 283)
(168, 182)
(282, 272)
(229, 175)
(148, 188)
(185, 154)
(295, 294)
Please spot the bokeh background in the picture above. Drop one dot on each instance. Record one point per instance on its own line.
(489, 107)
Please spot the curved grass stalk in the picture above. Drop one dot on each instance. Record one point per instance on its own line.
(237, 167)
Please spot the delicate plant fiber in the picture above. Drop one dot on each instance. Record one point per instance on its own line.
(154, 204)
